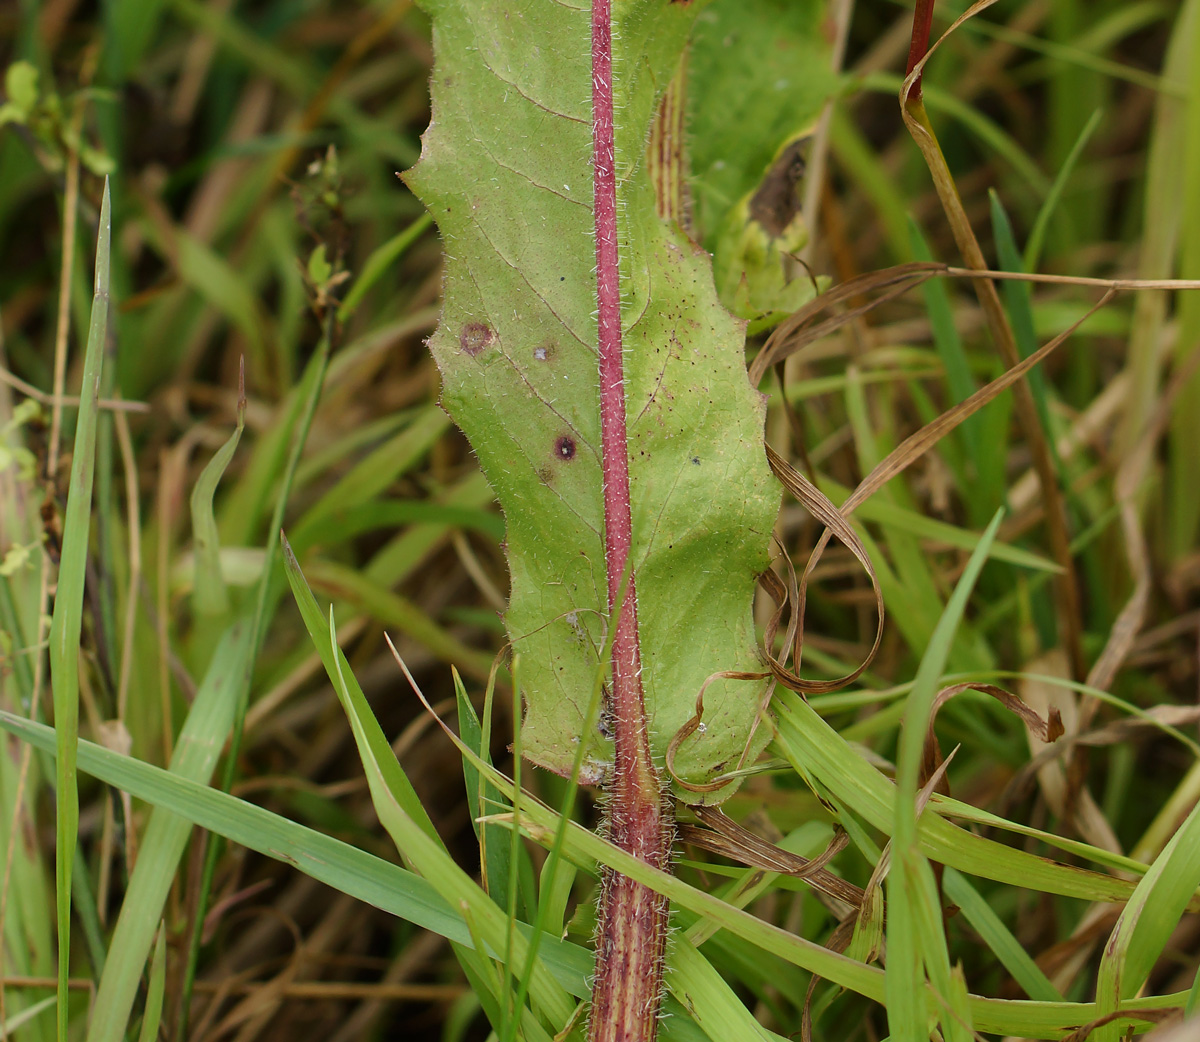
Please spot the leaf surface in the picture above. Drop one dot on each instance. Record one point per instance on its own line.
(506, 172)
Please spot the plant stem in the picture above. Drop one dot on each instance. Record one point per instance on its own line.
(632, 930)
(922, 26)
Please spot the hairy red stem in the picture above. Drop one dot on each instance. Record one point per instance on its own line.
(632, 928)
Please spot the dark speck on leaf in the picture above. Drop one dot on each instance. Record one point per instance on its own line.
(564, 448)
(696, 460)
(475, 336)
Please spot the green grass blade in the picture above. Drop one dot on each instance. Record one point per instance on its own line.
(195, 756)
(364, 876)
(209, 595)
(482, 798)
(999, 938)
(392, 774)
(428, 854)
(402, 893)
(914, 933)
(1037, 234)
(1148, 920)
(15, 1020)
(891, 515)
(709, 998)
(401, 812)
(811, 745)
(154, 993)
(379, 262)
(1160, 229)
(1018, 303)
(356, 588)
(377, 471)
(1183, 492)
(68, 609)
(300, 417)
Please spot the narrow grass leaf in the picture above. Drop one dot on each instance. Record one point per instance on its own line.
(999, 939)
(376, 471)
(200, 742)
(811, 745)
(22, 1017)
(1183, 492)
(358, 710)
(959, 381)
(430, 858)
(402, 893)
(912, 938)
(1019, 305)
(707, 996)
(154, 992)
(891, 515)
(209, 596)
(67, 621)
(400, 810)
(355, 587)
(1148, 921)
(347, 869)
(1037, 235)
(382, 258)
(482, 798)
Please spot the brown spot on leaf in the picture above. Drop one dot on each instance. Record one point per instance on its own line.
(475, 336)
(564, 448)
(777, 200)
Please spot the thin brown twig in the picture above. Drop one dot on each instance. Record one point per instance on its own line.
(70, 401)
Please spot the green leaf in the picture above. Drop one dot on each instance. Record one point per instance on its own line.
(483, 798)
(401, 893)
(1148, 921)
(319, 268)
(20, 84)
(209, 594)
(154, 993)
(67, 622)
(517, 352)
(914, 914)
(200, 743)
(404, 817)
(759, 73)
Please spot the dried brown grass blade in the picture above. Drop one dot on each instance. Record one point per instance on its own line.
(912, 109)
(795, 332)
(836, 524)
(1154, 1016)
(1047, 730)
(725, 836)
(835, 519)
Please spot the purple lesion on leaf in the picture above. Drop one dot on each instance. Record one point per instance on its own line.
(564, 448)
(475, 336)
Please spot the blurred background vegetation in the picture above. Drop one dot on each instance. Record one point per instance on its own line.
(253, 149)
